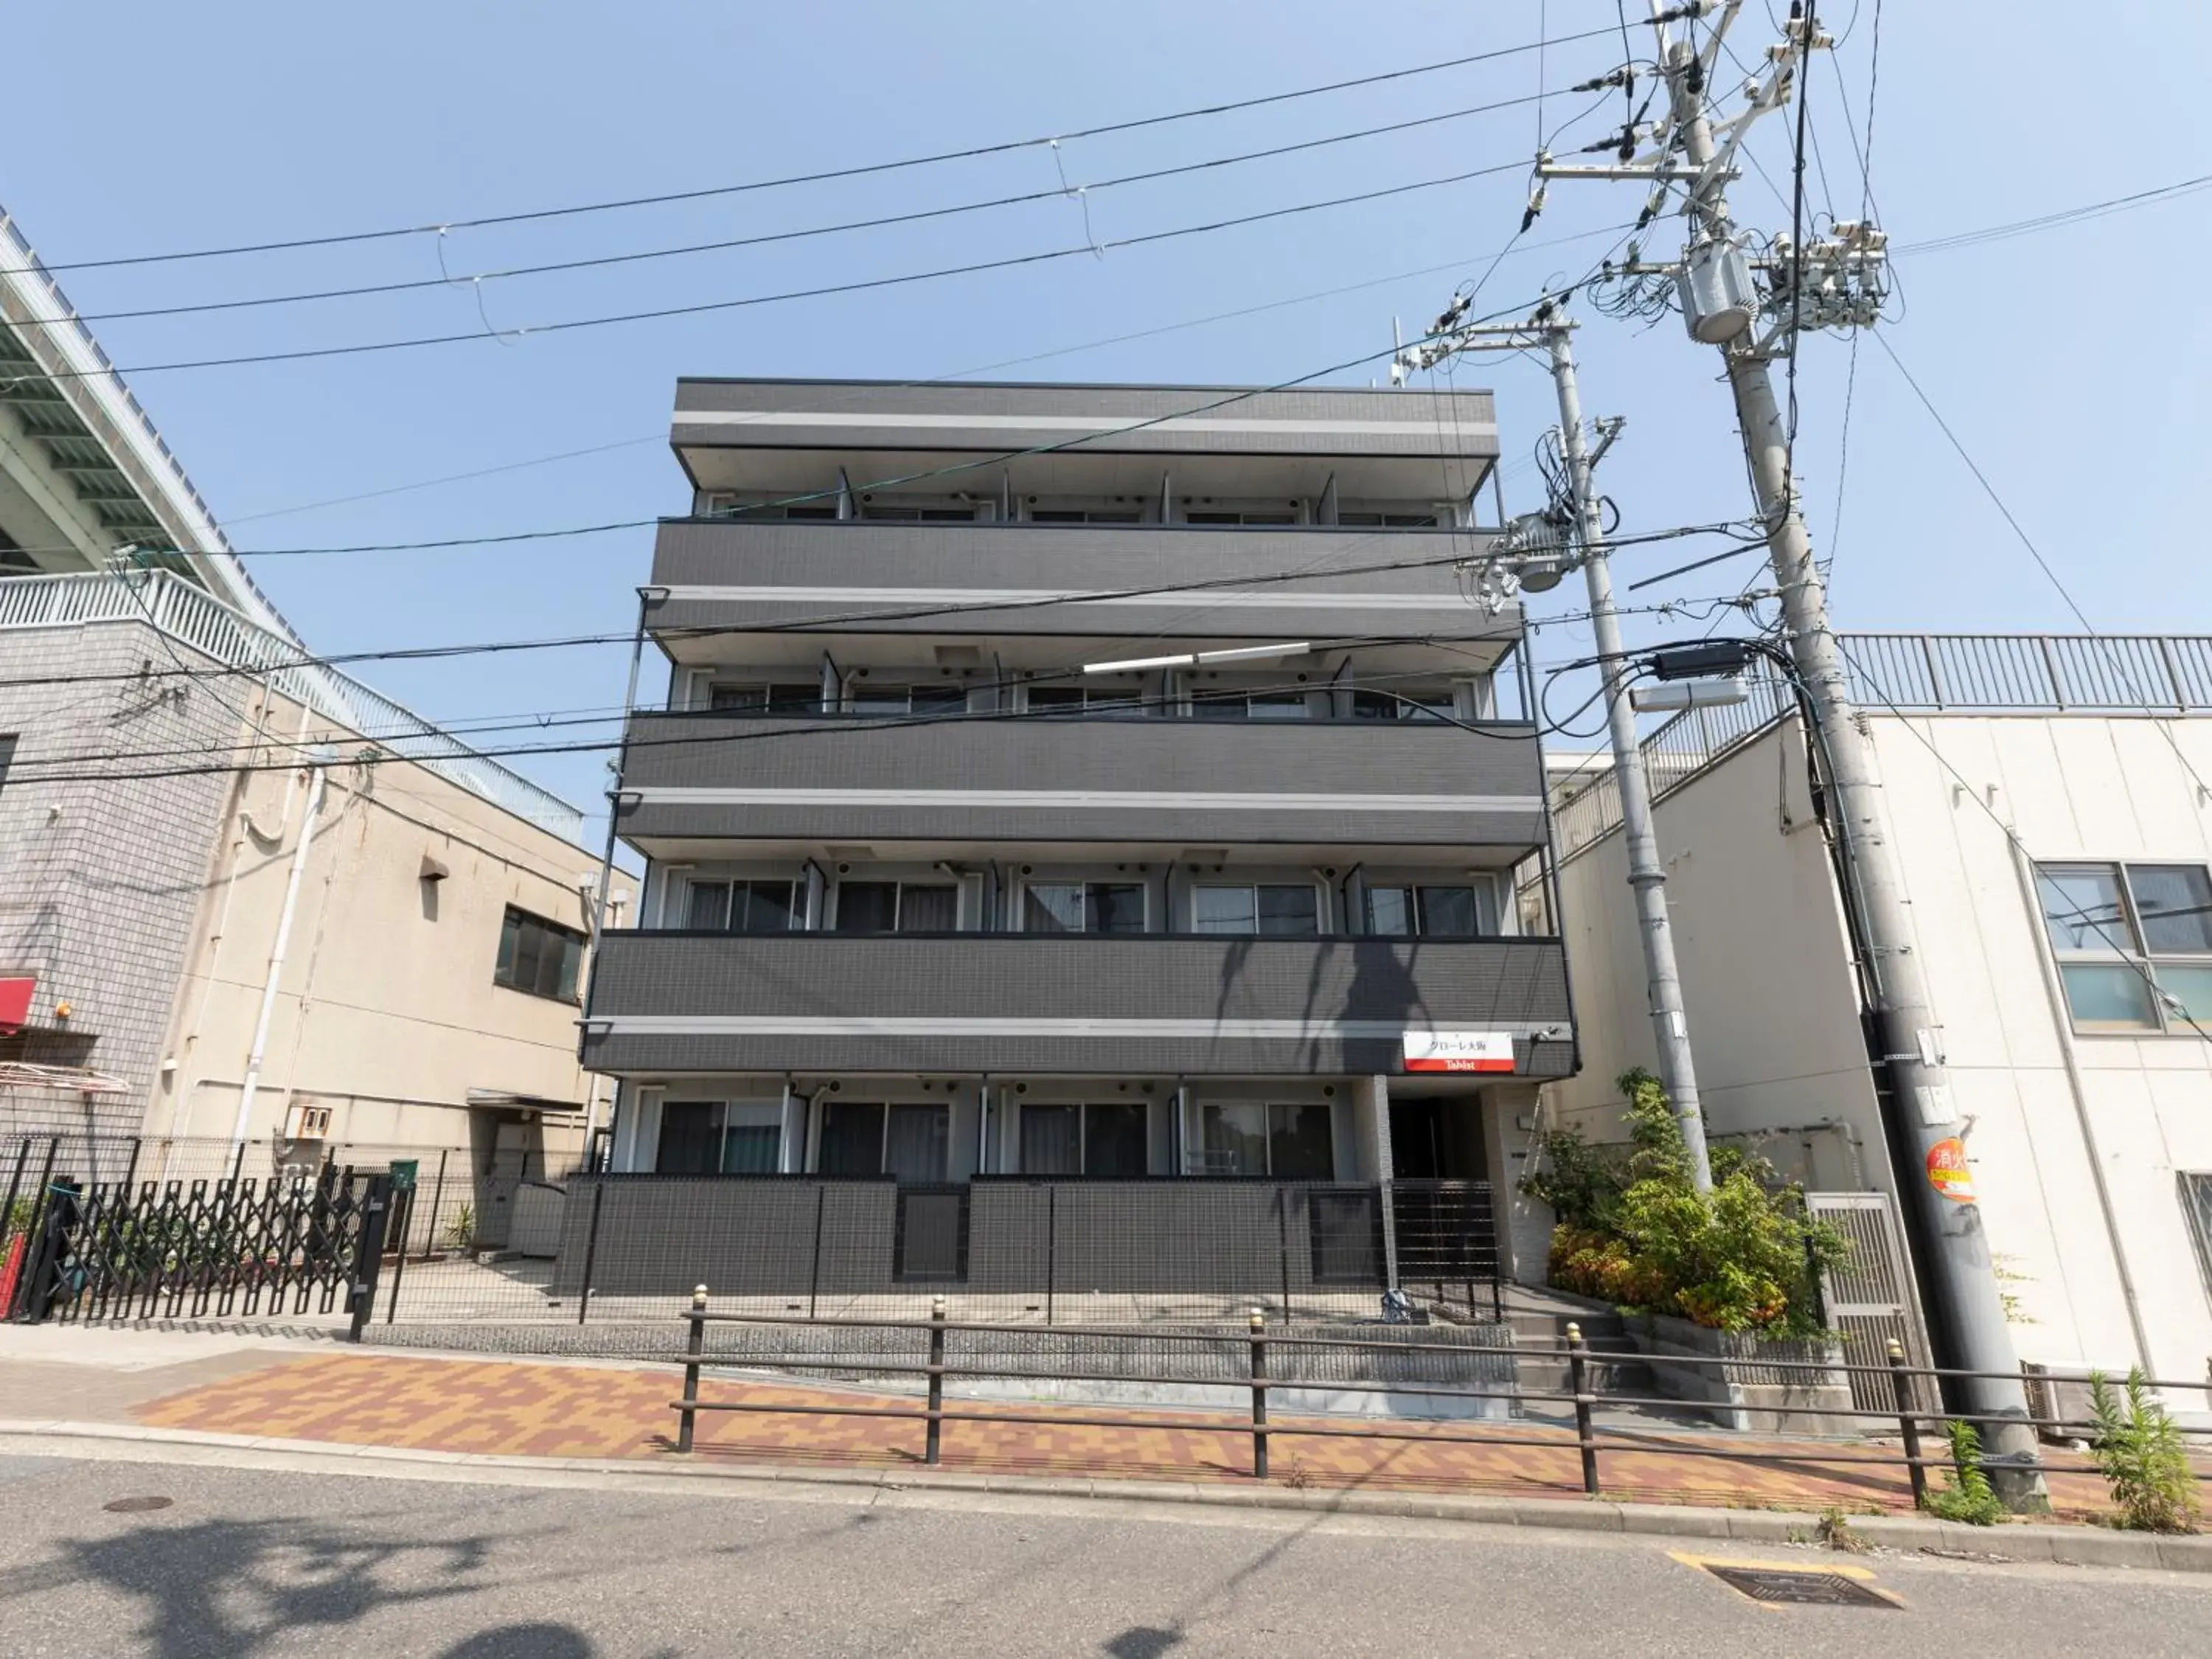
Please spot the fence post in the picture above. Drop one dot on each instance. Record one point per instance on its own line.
(9, 1250)
(1908, 1422)
(1283, 1244)
(1578, 1375)
(368, 1252)
(404, 1203)
(590, 1248)
(814, 1278)
(437, 1202)
(687, 1415)
(934, 1445)
(1259, 1322)
(1051, 1245)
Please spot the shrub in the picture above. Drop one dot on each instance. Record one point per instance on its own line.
(2139, 1449)
(1966, 1496)
(1742, 1257)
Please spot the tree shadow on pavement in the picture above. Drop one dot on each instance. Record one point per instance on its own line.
(237, 1587)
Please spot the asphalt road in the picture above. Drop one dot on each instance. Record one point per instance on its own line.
(246, 1563)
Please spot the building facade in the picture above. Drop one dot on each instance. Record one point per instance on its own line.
(243, 897)
(2047, 798)
(1080, 781)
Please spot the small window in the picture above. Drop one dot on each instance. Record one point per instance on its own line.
(1293, 1142)
(896, 907)
(2133, 943)
(930, 697)
(744, 907)
(1084, 515)
(1083, 906)
(1408, 703)
(718, 1137)
(1273, 515)
(537, 955)
(1106, 1138)
(1268, 907)
(7, 758)
(1287, 704)
(911, 1143)
(1083, 699)
(950, 513)
(781, 697)
(852, 1139)
(2196, 1208)
(1441, 911)
(1364, 519)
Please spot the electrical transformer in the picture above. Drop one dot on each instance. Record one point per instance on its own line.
(1718, 300)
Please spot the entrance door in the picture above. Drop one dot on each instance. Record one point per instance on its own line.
(1417, 1152)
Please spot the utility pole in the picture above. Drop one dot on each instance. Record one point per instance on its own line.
(1544, 545)
(1837, 282)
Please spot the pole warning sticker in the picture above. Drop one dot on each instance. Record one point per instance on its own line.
(1947, 1172)
(1459, 1051)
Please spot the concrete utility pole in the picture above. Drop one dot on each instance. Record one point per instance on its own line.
(1585, 514)
(1837, 282)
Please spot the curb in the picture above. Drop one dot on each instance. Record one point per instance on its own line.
(2079, 1546)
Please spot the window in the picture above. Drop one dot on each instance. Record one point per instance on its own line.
(1083, 906)
(784, 697)
(1084, 515)
(1271, 515)
(2133, 943)
(896, 907)
(1364, 519)
(1084, 700)
(931, 698)
(950, 513)
(7, 755)
(1267, 908)
(538, 956)
(823, 506)
(1441, 911)
(1289, 1142)
(2196, 1206)
(1107, 1138)
(744, 907)
(700, 1137)
(1244, 705)
(1406, 703)
(867, 1138)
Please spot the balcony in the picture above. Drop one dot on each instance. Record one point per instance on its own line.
(690, 777)
(730, 575)
(665, 1003)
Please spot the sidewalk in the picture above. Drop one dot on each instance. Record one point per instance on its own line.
(314, 1392)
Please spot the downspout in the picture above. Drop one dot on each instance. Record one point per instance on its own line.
(277, 957)
(2062, 1023)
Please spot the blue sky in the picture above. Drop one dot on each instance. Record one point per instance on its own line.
(2068, 361)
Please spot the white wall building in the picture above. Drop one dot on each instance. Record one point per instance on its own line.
(2050, 799)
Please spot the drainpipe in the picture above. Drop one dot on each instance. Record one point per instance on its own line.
(317, 779)
(2062, 1022)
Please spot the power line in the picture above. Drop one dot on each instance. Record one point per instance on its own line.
(915, 217)
(974, 268)
(825, 176)
(2064, 217)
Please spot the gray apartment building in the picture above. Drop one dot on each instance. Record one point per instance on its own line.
(1080, 781)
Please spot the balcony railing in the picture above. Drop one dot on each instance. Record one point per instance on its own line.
(1924, 674)
(187, 614)
(1072, 1003)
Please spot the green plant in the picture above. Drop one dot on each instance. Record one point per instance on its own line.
(2139, 1449)
(461, 1230)
(1834, 1529)
(1966, 1496)
(1743, 1256)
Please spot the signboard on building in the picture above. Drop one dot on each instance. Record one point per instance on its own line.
(1947, 1172)
(16, 1003)
(1459, 1051)
(403, 1171)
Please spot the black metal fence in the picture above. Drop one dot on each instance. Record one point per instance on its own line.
(1280, 1363)
(630, 1248)
(95, 1230)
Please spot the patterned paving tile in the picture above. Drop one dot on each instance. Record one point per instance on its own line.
(570, 1410)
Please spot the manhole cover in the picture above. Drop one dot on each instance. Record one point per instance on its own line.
(137, 1505)
(1820, 1590)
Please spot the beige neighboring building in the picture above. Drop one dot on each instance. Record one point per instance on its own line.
(2049, 801)
(243, 896)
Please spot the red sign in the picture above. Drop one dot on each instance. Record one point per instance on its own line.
(1459, 1051)
(1947, 1172)
(16, 1003)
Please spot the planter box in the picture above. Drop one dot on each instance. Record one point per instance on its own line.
(1744, 1394)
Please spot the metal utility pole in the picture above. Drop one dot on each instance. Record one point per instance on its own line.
(1647, 876)
(1840, 280)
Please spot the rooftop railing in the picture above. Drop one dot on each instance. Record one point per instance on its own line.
(191, 616)
(1925, 674)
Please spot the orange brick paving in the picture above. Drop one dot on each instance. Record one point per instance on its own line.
(511, 1408)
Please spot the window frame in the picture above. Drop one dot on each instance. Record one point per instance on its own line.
(1415, 888)
(1267, 1110)
(811, 703)
(769, 1113)
(1084, 1110)
(505, 972)
(2125, 946)
(1253, 887)
(1086, 907)
(730, 886)
(885, 1109)
(899, 884)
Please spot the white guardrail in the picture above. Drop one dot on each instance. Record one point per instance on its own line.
(197, 619)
